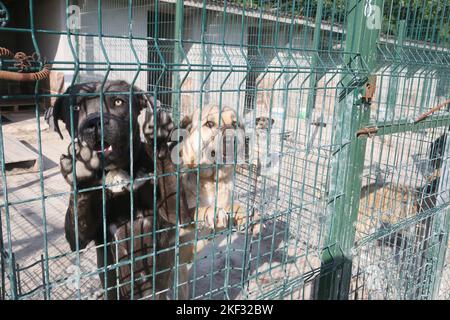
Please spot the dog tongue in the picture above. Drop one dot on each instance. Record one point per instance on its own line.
(106, 151)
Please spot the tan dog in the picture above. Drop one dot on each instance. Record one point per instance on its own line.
(209, 141)
(205, 147)
(384, 205)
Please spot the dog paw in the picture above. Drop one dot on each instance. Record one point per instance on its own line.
(87, 163)
(118, 181)
(217, 220)
(240, 219)
(164, 127)
(220, 220)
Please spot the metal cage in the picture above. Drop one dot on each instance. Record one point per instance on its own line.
(353, 190)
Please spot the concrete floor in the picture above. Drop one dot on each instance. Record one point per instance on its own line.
(36, 226)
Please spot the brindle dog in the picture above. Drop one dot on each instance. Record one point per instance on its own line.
(113, 221)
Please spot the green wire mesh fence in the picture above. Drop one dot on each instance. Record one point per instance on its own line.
(345, 109)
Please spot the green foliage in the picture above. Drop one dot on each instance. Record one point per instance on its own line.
(423, 17)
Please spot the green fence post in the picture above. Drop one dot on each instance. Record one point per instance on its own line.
(353, 112)
(314, 58)
(177, 56)
(393, 80)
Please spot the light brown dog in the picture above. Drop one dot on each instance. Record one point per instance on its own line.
(212, 144)
(384, 205)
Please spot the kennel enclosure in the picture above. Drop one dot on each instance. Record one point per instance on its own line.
(355, 196)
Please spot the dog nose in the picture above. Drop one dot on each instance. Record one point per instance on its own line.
(95, 124)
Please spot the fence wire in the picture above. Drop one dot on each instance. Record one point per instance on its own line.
(344, 167)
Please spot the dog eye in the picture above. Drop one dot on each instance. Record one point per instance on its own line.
(118, 102)
(209, 124)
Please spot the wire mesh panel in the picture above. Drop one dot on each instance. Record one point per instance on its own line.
(337, 185)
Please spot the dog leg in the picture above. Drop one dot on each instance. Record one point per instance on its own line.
(140, 246)
(183, 288)
(86, 212)
(167, 189)
(88, 223)
(165, 262)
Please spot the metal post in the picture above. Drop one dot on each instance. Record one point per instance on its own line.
(314, 58)
(347, 162)
(77, 41)
(393, 80)
(177, 57)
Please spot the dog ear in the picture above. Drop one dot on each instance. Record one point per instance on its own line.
(55, 113)
(61, 108)
(186, 123)
(186, 152)
(145, 100)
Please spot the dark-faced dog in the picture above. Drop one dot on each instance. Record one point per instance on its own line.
(104, 217)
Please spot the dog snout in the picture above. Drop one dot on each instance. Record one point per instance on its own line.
(90, 131)
(228, 148)
(94, 124)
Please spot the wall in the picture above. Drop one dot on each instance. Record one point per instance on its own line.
(217, 72)
(116, 50)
